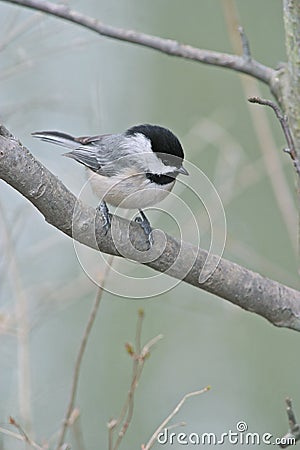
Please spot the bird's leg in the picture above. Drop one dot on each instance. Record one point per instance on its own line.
(145, 224)
(102, 207)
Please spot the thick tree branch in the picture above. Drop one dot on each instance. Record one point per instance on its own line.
(170, 47)
(251, 291)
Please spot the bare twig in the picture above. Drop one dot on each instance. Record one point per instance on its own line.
(139, 356)
(21, 435)
(293, 435)
(77, 431)
(245, 44)
(164, 424)
(13, 422)
(138, 366)
(167, 46)
(82, 347)
(261, 125)
(291, 150)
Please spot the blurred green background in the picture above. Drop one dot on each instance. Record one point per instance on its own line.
(55, 75)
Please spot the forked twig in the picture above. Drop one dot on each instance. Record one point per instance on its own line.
(291, 150)
(139, 355)
(261, 125)
(164, 424)
(21, 435)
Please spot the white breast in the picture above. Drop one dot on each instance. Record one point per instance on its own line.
(128, 190)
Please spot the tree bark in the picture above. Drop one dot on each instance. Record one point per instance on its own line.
(251, 291)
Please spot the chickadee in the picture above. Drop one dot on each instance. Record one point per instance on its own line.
(132, 170)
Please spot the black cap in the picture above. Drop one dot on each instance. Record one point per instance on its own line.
(163, 142)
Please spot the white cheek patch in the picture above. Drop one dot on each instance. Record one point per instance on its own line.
(137, 144)
(140, 146)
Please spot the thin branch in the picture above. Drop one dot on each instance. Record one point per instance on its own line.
(167, 46)
(251, 291)
(12, 434)
(77, 432)
(291, 150)
(245, 44)
(136, 375)
(139, 356)
(82, 348)
(21, 435)
(293, 435)
(13, 422)
(265, 136)
(164, 424)
(135, 354)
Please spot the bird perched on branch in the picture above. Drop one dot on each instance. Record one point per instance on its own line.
(132, 170)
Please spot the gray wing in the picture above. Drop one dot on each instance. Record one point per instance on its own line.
(107, 154)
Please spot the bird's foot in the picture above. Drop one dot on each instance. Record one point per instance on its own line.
(145, 224)
(102, 207)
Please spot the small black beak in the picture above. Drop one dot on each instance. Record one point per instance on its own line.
(182, 171)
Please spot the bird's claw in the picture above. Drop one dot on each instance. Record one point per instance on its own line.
(145, 224)
(102, 207)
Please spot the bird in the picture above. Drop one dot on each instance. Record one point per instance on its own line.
(134, 169)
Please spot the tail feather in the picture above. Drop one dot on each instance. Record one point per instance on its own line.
(56, 137)
(84, 154)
